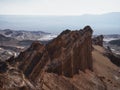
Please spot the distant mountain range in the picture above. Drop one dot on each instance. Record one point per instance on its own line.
(23, 35)
(105, 23)
(13, 42)
(3, 38)
(115, 42)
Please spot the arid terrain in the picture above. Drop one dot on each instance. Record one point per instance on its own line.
(71, 61)
(12, 42)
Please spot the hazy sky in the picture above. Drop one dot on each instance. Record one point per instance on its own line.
(58, 7)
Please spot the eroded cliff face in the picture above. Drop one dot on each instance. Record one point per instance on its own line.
(33, 61)
(65, 55)
(71, 52)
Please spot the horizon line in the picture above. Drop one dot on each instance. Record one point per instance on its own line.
(57, 14)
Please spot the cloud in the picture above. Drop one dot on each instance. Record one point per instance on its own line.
(58, 7)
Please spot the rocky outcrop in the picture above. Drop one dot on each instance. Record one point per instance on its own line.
(112, 56)
(33, 60)
(71, 52)
(11, 78)
(98, 40)
(26, 69)
(65, 55)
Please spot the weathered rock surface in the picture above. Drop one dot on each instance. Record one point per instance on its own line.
(11, 78)
(108, 72)
(112, 56)
(33, 61)
(71, 52)
(98, 40)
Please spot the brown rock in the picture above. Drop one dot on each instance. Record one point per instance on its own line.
(33, 60)
(98, 40)
(71, 52)
(114, 58)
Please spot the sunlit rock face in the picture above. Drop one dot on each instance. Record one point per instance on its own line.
(71, 52)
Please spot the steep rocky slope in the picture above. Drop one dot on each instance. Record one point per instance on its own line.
(71, 52)
(69, 62)
(108, 72)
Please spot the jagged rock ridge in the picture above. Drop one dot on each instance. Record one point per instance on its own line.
(71, 52)
(67, 54)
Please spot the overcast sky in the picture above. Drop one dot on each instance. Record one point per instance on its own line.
(58, 7)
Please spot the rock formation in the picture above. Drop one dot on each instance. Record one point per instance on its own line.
(67, 54)
(71, 52)
(98, 40)
(33, 60)
(112, 56)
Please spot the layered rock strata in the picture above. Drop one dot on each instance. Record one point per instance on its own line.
(71, 52)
